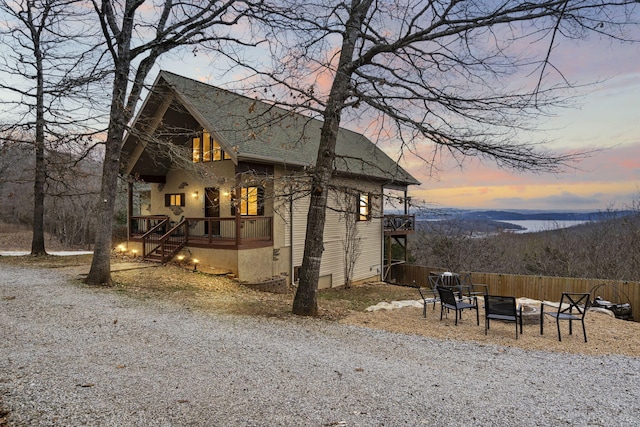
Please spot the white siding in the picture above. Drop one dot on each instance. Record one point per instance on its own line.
(300, 210)
(369, 232)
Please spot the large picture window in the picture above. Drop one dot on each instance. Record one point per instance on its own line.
(364, 207)
(206, 149)
(250, 202)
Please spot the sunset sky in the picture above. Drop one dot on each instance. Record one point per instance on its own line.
(606, 118)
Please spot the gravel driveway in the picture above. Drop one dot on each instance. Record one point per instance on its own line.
(72, 356)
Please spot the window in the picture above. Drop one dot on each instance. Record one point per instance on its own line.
(364, 207)
(207, 149)
(197, 148)
(174, 199)
(251, 201)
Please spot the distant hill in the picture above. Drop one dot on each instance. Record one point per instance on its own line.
(496, 215)
(457, 225)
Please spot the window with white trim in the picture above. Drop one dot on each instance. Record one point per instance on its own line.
(364, 207)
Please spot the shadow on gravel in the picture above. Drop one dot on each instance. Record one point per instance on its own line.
(4, 414)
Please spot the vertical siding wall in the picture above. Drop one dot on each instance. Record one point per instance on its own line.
(534, 287)
(332, 264)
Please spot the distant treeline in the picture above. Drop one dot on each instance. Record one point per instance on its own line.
(605, 249)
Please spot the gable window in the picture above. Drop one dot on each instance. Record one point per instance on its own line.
(364, 207)
(174, 199)
(251, 201)
(206, 149)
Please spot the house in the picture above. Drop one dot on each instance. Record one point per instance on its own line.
(226, 182)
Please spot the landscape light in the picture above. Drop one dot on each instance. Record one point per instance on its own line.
(195, 264)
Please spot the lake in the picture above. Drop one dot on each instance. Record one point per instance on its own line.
(535, 225)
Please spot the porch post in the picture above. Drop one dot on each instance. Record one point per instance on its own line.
(406, 203)
(129, 207)
(238, 203)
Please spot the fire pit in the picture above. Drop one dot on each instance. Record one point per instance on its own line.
(530, 314)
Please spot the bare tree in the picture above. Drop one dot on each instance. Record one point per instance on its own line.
(136, 36)
(431, 76)
(45, 75)
(346, 203)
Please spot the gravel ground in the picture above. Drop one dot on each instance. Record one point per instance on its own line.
(75, 356)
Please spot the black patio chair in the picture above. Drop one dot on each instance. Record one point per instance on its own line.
(573, 306)
(449, 301)
(452, 281)
(468, 288)
(428, 296)
(434, 282)
(501, 308)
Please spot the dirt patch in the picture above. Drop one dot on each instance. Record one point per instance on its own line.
(211, 293)
(18, 238)
(606, 335)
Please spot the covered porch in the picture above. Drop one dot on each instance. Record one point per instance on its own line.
(162, 239)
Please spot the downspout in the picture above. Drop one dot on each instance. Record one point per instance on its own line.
(406, 203)
(291, 240)
(406, 237)
(382, 266)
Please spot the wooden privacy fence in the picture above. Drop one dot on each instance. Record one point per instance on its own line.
(534, 287)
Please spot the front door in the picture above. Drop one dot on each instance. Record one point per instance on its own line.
(212, 210)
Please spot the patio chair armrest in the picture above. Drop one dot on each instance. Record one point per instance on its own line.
(427, 294)
(423, 291)
(484, 288)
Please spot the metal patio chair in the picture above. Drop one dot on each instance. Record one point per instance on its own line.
(573, 306)
(502, 308)
(449, 301)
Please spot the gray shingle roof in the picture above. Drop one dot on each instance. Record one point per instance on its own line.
(257, 131)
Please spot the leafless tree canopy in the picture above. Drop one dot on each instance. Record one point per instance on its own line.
(608, 248)
(460, 76)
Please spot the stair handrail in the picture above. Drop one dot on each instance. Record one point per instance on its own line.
(173, 232)
(152, 231)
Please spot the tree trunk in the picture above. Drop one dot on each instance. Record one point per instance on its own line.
(100, 272)
(119, 116)
(37, 241)
(305, 302)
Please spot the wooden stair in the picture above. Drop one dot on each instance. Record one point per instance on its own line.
(163, 248)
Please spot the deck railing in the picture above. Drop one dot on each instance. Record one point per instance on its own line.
(139, 225)
(399, 223)
(210, 230)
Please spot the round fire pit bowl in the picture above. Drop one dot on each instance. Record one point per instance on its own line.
(530, 314)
